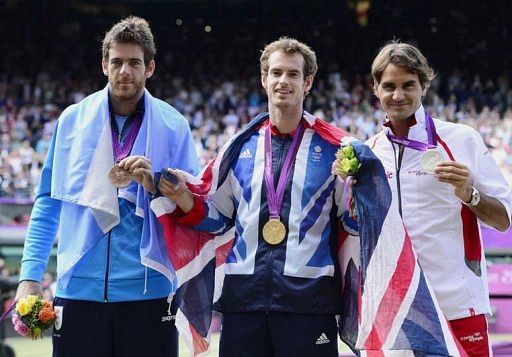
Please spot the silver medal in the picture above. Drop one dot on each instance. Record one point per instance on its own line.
(430, 159)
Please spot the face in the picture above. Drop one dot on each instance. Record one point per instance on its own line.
(126, 71)
(285, 83)
(399, 92)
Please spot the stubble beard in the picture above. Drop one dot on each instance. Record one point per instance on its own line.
(126, 95)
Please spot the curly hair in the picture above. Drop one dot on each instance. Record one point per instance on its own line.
(134, 30)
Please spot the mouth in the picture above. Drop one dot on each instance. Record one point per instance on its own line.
(283, 91)
(398, 105)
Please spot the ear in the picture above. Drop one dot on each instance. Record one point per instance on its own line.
(424, 90)
(104, 67)
(264, 81)
(150, 68)
(308, 83)
(375, 89)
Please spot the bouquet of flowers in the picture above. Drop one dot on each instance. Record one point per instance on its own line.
(32, 316)
(346, 163)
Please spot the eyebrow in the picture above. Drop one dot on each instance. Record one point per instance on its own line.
(284, 70)
(387, 83)
(128, 59)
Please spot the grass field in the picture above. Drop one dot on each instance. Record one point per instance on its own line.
(43, 348)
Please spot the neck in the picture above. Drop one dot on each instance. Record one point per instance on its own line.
(285, 121)
(124, 107)
(401, 127)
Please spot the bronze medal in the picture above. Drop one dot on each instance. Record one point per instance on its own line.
(274, 231)
(118, 177)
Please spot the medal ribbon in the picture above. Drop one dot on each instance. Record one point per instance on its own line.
(8, 311)
(418, 145)
(122, 150)
(275, 198)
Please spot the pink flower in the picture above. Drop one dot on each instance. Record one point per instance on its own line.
(15, 318)
(21, 328)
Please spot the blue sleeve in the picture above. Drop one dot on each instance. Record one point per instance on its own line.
(44, 222)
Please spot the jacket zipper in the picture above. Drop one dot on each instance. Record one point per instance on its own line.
(398, 166)
(105, 292)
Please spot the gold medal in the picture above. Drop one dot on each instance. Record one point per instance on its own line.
(274, 231)
(118, 177)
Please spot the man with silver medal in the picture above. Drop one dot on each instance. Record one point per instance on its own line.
(113, 274)
(279, 294)
(445, 184)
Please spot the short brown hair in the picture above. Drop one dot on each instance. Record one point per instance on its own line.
(406, 55)
(134, 30)
(290, 46)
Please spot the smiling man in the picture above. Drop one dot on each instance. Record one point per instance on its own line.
(275, 187)
(446, 184)
(113, 272)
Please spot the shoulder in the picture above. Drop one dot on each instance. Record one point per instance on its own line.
(169, 115)
(72, 111)
(457, 132)
(376, 139)
(328, 132)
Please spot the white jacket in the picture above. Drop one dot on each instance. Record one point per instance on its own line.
(444, 232)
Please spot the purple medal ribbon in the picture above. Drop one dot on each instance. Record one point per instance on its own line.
(8, 311)
(418, 145)
(275, 198)
(122, 150)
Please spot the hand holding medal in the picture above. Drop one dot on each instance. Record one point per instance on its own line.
(132, 167)
(119, 177)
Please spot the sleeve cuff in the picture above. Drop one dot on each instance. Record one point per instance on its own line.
(32, 271)
(194, 216)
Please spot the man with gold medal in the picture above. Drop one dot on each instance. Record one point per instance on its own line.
(273, 183)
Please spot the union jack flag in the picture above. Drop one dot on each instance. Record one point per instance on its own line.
(389, 307)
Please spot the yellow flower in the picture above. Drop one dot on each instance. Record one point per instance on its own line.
(23, 307)
(31, 300)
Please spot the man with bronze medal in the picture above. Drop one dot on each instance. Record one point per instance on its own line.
(446, 184)
(273, 183)
(114, 275)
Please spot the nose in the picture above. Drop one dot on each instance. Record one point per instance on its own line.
(125, 70)
(398, 94)
(283, 78)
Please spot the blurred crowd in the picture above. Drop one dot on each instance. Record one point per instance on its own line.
(216, 109)
(207, 68)
(9, 284)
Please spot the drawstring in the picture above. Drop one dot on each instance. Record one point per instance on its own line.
(145, 280)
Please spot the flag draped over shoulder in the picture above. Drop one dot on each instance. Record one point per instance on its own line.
(389, 306)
